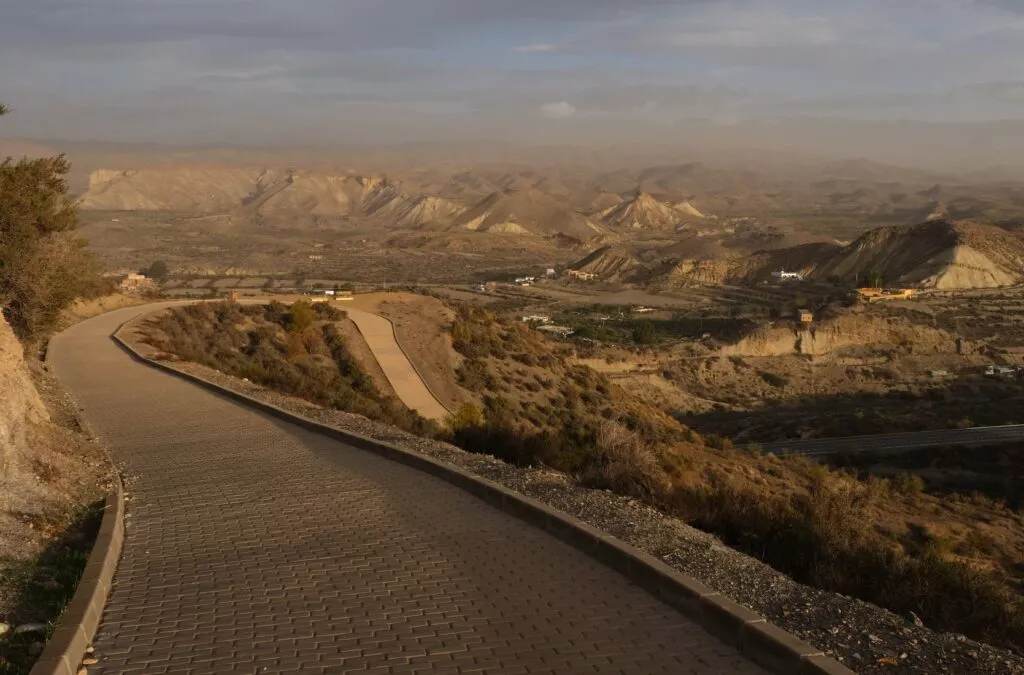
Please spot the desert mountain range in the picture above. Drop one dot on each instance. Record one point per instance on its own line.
(937, 254)
(671, 225)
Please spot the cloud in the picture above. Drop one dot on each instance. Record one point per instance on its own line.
(536, 48)
(790, 32)
(559, 110)
(629, 63)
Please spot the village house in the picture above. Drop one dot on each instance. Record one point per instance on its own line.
(582, 276)
(137, 284)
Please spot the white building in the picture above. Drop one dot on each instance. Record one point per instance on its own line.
(783, 275)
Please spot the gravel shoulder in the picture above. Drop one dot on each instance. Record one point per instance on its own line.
(865, 638)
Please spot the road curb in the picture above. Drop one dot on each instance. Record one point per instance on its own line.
(66, 647)
(761, 642)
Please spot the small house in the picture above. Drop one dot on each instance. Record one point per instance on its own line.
(137, 284)
(561, 331)
(805, 316)
(582, 276)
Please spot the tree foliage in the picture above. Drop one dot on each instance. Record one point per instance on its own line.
(300, 316)
(43, 267)
(158, 270)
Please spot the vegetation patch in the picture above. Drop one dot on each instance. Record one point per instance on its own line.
(295, 349)
(889, 542)
(39, 589)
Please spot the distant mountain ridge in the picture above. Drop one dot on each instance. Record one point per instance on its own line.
(938, 254)
(644, 212)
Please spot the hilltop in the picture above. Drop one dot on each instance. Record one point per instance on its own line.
(647, 213)
(936, 254)
(526, 212)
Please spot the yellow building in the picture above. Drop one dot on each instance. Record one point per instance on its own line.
(883, 294)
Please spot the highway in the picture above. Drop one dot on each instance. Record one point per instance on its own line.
(901, 442)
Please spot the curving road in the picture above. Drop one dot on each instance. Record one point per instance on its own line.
(254, 547)
(379, 334)
(900, 442)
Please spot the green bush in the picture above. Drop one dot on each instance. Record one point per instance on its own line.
(300, 316)
(43, 267)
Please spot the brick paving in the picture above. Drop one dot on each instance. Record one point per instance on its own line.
(254, 546)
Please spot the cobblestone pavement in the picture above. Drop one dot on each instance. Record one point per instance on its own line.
(254, 546)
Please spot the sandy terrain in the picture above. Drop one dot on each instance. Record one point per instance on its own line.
(421, 324)
(356, 344)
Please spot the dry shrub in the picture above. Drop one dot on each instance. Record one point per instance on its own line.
(819, 538)
(297, 350)
(623, 464)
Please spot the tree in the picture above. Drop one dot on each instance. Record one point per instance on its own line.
(644, 333)
(300, 316)
(158, 270)
(43, 266)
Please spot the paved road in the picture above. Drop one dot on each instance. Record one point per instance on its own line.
(254, 547)
(409, 386)
(884, 443)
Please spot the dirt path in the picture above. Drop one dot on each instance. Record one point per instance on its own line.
(422, 326)
(379, 334)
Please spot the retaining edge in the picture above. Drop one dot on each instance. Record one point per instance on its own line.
(66, 647)
(766, 644)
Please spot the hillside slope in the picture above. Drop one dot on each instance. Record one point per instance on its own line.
(644, 212)
(610, 263)
(526, 211)
(938, 254)
(202, 189)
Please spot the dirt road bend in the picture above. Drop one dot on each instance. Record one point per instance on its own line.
(409, 386)
(254, 546)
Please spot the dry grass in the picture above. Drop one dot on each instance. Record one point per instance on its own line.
(875, 539)
(298, 350)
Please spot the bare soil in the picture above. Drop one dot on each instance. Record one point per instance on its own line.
(52, 471)
(422, 325)
(356, 344)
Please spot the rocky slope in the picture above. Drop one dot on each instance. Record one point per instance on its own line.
(937, 254)
(526, 212)
(644, 212)
(611, 263)
(848, 332)
(45, 464)
(203, 189)
(739, 269)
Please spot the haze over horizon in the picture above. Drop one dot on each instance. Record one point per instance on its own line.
(915, 82)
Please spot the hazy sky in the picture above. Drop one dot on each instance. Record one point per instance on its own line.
(349, 71)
